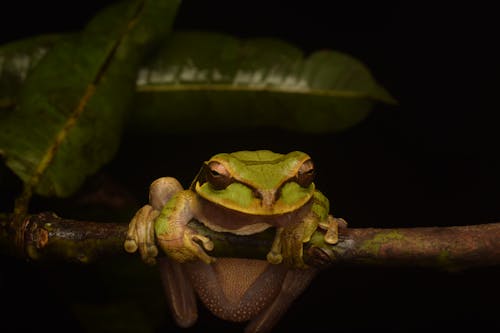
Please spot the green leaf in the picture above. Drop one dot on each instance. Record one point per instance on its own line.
(219, 82)
(71, 108)
(17, 60)
(207, 81)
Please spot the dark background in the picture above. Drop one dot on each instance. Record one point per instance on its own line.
(431, 161)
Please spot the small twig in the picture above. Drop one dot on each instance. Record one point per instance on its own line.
(49, 237)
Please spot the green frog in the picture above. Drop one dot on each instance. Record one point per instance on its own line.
(243, 193)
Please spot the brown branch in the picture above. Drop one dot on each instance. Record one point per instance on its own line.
(48, 237)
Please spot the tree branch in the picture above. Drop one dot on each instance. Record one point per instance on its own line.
(46, 236)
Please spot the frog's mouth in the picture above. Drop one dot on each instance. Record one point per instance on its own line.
(223, 219)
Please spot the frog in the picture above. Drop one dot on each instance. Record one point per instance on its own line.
(242, 193)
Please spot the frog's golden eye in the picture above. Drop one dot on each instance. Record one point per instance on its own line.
(305, 175)
(217, 175)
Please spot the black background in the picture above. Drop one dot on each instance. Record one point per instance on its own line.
(431, 161)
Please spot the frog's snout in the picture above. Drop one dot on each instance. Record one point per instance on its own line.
(268, 197)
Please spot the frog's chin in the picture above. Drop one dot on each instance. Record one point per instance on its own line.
(224, 219)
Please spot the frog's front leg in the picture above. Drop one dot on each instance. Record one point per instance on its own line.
(288, 243)
(176, 239)
(141, 236)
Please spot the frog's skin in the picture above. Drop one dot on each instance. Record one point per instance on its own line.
(242, 193)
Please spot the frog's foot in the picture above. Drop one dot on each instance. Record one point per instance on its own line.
(288, 246)
(187, 248)
(140, 235)
(331, 225)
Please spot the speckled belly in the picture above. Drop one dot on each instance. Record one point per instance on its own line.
(236, 289)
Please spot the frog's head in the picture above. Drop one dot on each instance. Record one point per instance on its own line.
(257, 182)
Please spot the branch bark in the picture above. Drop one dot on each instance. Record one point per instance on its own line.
(46, 236)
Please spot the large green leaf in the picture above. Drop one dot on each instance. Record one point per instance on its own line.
(17, 60)
(71, 107)
(206, 81)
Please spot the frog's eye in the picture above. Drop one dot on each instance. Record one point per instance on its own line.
(305, 175)
(218, 176)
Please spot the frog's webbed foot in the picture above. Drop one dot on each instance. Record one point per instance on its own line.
(141, 236)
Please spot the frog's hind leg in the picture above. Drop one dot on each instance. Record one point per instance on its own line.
(179, 292)
(161, 190)
(236, 289)
(295, 282)
(180, 295)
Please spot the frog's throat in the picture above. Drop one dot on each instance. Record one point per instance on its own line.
(223, 219)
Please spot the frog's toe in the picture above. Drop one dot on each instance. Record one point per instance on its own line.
(332, 229)
(196, 249)
(331, 236)
(152, 250)
(341, 222)
(130, 245)
(205, 241)
(274, 257)
(148, 252)
(140, 234)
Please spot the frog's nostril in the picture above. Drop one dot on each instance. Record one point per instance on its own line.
(257, 194)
